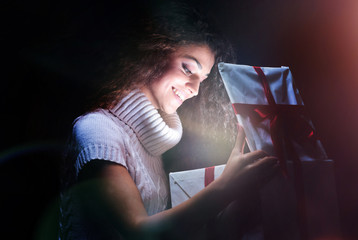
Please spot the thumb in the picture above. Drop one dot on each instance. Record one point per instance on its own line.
(240, 139)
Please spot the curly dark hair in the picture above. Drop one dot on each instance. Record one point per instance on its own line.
(153, 38)
(145, 57)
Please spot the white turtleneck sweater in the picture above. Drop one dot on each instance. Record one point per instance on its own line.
(133, 134)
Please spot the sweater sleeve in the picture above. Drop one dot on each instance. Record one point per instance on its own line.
(97, 136)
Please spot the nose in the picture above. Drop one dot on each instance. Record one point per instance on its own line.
(193, 87)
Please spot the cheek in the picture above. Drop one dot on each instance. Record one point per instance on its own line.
(171, 79)
(161, 85)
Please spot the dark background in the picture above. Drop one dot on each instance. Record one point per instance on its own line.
(52, 53)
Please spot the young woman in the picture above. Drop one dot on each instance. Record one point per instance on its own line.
(118, 188)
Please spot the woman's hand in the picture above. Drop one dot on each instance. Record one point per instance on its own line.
(245, 173)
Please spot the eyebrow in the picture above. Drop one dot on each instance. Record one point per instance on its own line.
(193, 58)
(197, 62)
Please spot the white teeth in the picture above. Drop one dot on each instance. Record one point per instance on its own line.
(178, 94)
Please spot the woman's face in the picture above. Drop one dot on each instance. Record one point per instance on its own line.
(189, 66)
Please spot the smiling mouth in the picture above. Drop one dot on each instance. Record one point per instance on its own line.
(178, 93)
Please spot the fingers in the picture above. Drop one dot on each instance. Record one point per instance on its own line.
(266, 168)
(265, 162)
(252, 157)
(240, 140)
(263, 165)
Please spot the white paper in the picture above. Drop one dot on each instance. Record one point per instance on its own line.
(244, 86)
(185, 184)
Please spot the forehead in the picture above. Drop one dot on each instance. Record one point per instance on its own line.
(201, 53)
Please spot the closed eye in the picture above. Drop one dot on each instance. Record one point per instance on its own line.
(186, 69)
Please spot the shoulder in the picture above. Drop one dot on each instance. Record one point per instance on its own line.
(97, 120)
(99, 135)
(99, 125)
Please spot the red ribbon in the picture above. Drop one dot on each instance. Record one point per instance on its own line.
(209, 175)
(286, 122)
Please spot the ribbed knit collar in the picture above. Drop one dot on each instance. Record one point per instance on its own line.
(156, 130)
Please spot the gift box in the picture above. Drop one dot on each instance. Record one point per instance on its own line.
(268, 106)
(302, 202)
(277, 208)
(185, 184)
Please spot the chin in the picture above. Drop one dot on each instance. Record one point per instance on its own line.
(169, 110)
